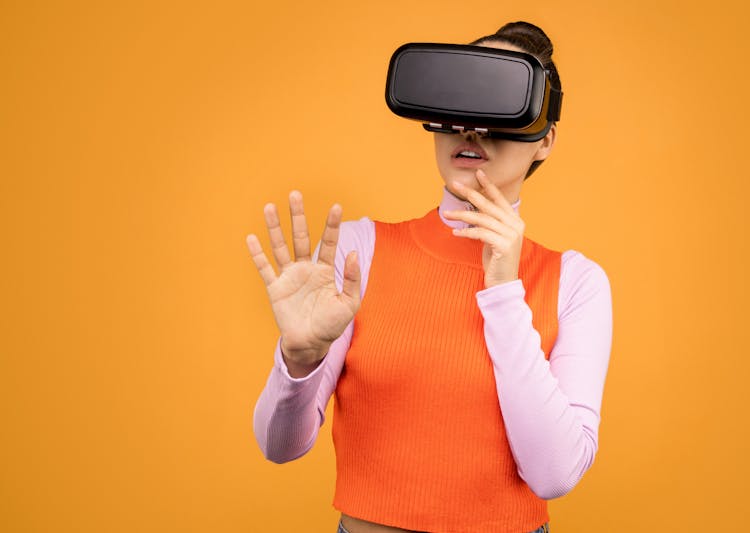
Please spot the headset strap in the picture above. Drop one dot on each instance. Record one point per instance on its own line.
(555, 104)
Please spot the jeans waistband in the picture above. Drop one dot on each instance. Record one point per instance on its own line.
(544, 528)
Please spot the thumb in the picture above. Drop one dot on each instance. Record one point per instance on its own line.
(352, 276)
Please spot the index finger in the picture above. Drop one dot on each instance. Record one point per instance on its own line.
(493, 193)
(485, 204)
(328, 242)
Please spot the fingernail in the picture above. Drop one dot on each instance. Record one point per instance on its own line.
(481, 173)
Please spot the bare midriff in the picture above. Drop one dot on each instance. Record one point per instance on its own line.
(355, 525)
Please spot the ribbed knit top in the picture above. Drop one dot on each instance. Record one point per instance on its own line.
(417, 358)
(550, 402)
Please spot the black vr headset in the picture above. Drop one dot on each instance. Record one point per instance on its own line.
(452, 88)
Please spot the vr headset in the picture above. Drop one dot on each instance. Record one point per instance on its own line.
(452, 88)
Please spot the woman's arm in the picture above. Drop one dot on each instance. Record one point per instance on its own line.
(290, 411)
(551, 408)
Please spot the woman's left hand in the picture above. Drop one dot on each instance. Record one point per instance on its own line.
(497, 225)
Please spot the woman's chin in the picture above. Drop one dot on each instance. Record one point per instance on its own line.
(454, 192)
(465, 178)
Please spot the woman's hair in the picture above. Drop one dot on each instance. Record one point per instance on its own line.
(532, 40)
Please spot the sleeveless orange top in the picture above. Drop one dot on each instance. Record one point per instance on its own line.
(418, 430)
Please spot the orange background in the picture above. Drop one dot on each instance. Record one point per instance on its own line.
(139, 144)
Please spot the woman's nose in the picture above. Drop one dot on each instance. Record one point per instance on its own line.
(470, 135)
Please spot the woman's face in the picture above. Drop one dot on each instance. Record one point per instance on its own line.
(504, 162)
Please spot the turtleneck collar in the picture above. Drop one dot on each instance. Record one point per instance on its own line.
(450, 202)
(434, 234)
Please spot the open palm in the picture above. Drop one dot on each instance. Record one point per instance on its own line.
(308, 308)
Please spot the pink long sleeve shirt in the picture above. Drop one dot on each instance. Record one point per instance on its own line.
(551, 409)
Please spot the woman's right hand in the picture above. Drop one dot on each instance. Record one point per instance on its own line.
(308, 308)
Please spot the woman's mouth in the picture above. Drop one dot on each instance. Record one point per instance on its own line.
(468, 155)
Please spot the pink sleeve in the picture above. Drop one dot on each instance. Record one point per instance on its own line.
(551, 408)
(290, 411)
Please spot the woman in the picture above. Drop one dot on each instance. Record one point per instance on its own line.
(463, 315)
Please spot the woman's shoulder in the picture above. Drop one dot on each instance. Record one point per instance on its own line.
(357, 235)
(364, 224)
(581, 279)
(358, 232)
(576, 264)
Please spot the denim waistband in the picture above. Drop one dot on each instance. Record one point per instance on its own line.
(544, 528)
